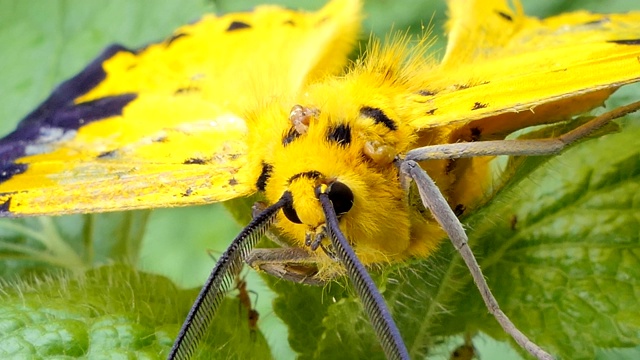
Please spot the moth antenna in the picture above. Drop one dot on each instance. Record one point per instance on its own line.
(433, 199)
(220, 280)
(372, 301)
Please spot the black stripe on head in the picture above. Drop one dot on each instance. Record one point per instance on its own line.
(340, 134)
(505, 16)
(265, 174)
(289, 136)
(311, 175)
(379, 117)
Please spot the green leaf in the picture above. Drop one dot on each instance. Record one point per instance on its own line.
(570, 273)
(122, 312)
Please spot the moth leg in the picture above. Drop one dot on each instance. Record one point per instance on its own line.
(286, 262)
(519, 147)
(290, 263)
(433, 199)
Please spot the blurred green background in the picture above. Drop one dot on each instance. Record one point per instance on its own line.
(44, 42)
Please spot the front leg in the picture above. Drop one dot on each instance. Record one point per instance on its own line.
(433, 199)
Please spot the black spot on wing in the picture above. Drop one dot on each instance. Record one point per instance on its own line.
(426, 92)
(289, 136)
(195, 161)
(289, 23)
(431, 112)
(111, 154)
(340, 134)
(187, 192)
(8, 170)
(379, 117)
(233, 182)
(479, 105)
(186, 90)
(626, 42)
(505, 16)
(238, 25)
(265, 174)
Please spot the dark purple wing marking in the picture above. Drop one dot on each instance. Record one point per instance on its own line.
(59, 114)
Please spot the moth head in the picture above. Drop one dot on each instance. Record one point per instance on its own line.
(348, 153)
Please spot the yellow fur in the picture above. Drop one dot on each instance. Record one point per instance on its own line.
(381, 225)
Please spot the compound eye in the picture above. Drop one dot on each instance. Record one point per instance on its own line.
(341, 197)
(290, 213)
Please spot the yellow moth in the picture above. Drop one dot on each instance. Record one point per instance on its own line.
(191, 121)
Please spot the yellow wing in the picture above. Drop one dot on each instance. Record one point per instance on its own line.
(501, 62)
(163, 126)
